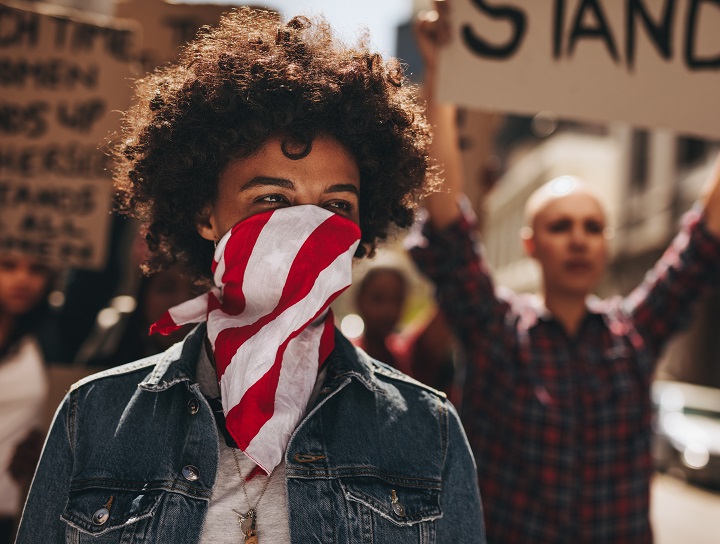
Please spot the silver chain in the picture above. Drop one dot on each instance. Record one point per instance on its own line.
(242, 481)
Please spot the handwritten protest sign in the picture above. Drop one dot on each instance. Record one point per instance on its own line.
(63, 82)
(653, 63)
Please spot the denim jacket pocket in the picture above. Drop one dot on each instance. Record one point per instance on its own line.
(401, 505)
(100, 511)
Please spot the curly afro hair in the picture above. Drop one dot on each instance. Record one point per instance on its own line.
(238, 85)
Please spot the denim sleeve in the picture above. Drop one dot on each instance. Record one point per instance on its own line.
(49, 490)
(462, 519)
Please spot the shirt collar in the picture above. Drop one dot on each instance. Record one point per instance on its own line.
(533, 310)
(179, 363)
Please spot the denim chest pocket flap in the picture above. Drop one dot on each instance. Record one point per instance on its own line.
(402, 505)
(96, 511)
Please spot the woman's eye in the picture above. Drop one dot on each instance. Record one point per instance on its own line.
(340, 205)
(272, 199)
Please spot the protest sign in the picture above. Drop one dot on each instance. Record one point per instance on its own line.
(652, 63)
(63, 82)
(167, 26)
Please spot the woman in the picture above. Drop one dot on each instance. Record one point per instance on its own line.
(423, 349)
(262, 163)
(24, 285)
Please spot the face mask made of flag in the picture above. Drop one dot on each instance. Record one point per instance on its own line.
(268, 319)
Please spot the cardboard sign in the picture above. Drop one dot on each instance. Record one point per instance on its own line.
(167, 26)
(63, 82)
(653, 63)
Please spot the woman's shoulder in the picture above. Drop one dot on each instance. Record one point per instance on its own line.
(116, 375)
(379, 375)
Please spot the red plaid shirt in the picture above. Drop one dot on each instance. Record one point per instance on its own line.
(560, 426)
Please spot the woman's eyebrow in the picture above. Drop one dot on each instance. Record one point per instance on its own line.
(260, 181)
(343, 188)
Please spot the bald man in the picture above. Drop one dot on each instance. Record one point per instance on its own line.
(556, 403)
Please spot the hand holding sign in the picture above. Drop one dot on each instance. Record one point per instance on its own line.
(432, 32)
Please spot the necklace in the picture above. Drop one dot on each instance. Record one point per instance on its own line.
(248, 520)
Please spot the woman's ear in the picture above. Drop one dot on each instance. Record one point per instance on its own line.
(528, 241)
(205, 224)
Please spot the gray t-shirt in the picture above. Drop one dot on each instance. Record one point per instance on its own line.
(222, 523)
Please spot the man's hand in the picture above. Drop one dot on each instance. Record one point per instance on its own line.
(432, 32)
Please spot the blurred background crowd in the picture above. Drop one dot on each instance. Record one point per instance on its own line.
(60, 323)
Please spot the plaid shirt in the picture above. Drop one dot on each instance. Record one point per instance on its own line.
(561, 426)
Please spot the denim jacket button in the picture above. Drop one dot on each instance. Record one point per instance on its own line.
(193, 406)
(190, 473)
(101, 516)
(398, 508)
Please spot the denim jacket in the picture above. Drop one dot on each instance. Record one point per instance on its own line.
(144, 435)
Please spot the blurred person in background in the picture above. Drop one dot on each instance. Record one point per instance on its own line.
(24, 286)
(422, 349)
(557, 392)
(129, 338)
(262, 163)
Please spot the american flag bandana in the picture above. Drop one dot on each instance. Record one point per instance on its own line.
(268, 319)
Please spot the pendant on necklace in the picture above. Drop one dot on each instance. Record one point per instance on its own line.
(247, 526)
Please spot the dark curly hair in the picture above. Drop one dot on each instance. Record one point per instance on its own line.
(250, 79)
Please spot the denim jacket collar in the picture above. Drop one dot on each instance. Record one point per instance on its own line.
(178, 363)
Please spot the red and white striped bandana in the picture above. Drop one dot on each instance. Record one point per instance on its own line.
(268, 320)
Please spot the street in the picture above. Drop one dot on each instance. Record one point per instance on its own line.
(683, 513)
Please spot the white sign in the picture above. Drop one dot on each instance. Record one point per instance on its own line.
(63, 82)
(652, 63)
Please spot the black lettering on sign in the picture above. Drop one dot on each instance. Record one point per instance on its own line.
(76, 252)
(558, 20)
(600, 30)
(61, 26)
(692, 60)
(18, 28)
(659, 25)
(80, 116)
(482, 47)
(39, 248)
(33, 224)
(60, 199)
(50, 74)
(64, 160)
(86, 37)
(49, 226)
(24, 119)
(70, 230)
(660, 34)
